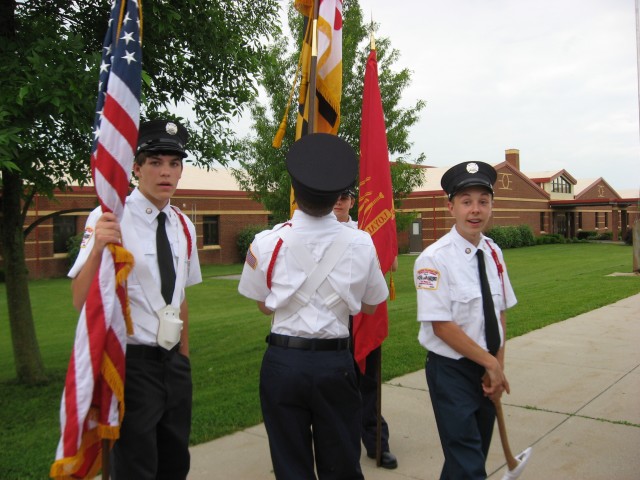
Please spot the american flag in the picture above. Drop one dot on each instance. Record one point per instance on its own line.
(92, 403)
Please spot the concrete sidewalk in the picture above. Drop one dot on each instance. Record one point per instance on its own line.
(575, 398)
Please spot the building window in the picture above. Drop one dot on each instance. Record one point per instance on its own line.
(606, 219)
(64, 227)
(211, 229)
(596, 220)
(560, 185)
(542, 221)
(579, 219)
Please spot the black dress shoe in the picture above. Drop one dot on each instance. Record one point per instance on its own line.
(387, 460)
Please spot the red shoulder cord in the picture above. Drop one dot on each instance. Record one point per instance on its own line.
(500, 270)
(274, 255)
(186, 230)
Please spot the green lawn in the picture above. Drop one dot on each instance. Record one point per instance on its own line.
(552, 283)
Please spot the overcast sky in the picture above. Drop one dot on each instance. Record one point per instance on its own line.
(556, 79)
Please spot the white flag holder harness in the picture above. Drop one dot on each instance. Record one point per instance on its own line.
(317, 273)
(170, 324)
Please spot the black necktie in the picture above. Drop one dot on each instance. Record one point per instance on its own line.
(491, 333)
(165, 260)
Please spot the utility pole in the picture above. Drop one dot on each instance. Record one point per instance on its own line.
(636, 225)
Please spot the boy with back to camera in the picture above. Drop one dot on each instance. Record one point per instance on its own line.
(308, 387)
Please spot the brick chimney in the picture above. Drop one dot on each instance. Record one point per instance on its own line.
(512, 156)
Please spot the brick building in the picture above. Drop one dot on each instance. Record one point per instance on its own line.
(212, 200)
(549, 202)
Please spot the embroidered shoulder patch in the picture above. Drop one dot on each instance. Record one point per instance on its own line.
(251, 259)
(427, 279)
(86, 236)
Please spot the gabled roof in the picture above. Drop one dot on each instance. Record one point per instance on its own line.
(583, 186)
(196, 178)
(433, 175)
(549, 176)
(630, 193)
(431, 180)
(525, 178)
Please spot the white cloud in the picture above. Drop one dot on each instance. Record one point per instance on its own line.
(555, 78)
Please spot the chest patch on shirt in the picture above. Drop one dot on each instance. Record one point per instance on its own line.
(427, 279)
(251, 259)
(86, 236)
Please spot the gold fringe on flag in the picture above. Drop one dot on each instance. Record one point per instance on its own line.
(116, 384)
(282, 129)
(392, 288)
(305, 7)
(124, 264)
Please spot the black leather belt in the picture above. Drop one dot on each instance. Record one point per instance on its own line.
(148, 352)
(319, 344)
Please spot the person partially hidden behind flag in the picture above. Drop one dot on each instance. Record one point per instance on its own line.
(368, 381)
(460, 298)
(308, 386)
(154, 436)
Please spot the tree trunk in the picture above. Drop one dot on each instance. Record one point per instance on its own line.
(26, 352)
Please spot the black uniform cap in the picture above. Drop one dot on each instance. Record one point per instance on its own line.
(350, 192)
(162, 136)
(322, 166)
(468, 174)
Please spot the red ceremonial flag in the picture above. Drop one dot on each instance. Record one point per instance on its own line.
(376, 214)
(92, 403)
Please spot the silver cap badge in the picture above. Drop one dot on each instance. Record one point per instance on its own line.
(171, 128)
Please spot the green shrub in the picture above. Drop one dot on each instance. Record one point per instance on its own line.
(526, 235)
(586, 234)
(245, 237)
(604, 236)
(512, 236)
(550, 238)
(498, 235)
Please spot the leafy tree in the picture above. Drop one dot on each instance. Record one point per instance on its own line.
(263, 169)
(202, 52)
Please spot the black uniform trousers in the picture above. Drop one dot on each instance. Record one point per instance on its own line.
(368, 383)
(154, 436)
(464, 416)
(311, 408)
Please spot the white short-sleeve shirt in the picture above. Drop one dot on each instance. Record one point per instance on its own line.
(448, 289)
(357, 277)
(351, 223)
(143, 220)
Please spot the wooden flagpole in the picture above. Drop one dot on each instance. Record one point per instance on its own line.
(105, 459)
(378, 353)
(311, 120)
